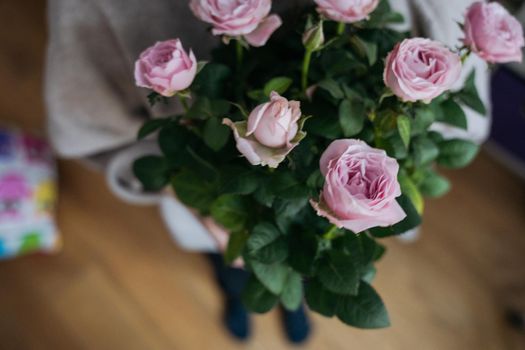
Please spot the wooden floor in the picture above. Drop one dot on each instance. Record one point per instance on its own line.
(120, 283)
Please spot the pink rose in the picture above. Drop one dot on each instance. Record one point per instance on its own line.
(421, 69)
(492, 33)
(166, 68)
(234, 18)
(271, 132)
(347, 11)
(360, 187)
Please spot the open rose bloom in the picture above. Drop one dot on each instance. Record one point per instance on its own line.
(166, 68)
(346, 11)
(271, 132)
(249, 19)
(421, 69)
(360, 187)
(493, 34)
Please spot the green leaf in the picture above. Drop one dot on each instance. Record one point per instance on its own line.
(453, 114)
(339, 274)
(319, 299)
(324, 126)
(424, 151)
(152, 171)
(266, 244)
(215, 134)
(352, 117)
(469, 95)
(303, 251)
(236, 179)
(257, 95)
(363, 249)
(154, 97)
(264, 194)
(394, 146)
(272, 276)
(332, 87)
(279, 85)
(150, 126)
(231, 211)
(365, 48)
(403, 127)
(365, 310)
(193, 190)
(211, 81)
(456, 153)
(434, 185)
(411, 221)
(424, 117)
(173, 139)
(383, 15)
(257, 298)
(369, 274)
(201, 65)
(412, 191)
(204, 108)
(236, 244)
(292, 294)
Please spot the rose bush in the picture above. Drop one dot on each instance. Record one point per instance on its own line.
(305, 151)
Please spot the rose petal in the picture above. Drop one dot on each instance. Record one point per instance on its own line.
(264, 31)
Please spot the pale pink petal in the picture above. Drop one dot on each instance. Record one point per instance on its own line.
(255, 117)
(334, 150)
(264, 31)
(183, 80)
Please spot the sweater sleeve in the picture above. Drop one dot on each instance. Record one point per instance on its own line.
(92, 103)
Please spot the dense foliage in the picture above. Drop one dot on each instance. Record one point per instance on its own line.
(291, 251)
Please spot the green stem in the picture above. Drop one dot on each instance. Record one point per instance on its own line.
(240, 53)
(341, 28)
(331, 233)
(306, 69)
(184, 103)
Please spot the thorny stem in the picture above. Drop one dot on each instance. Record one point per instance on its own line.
(306, 69)
(240, 53)
(331, 233)
(184, 103)
(341, 28)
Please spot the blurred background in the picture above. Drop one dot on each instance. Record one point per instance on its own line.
(119, 282)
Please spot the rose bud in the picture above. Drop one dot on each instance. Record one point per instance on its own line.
(360, 187)
(313, 38)
(249, 19)
(166, 68)
(346, 11)
(271, 132)
(492, 33)
(421, 69)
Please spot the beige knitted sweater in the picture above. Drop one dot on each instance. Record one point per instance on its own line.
(92, 103)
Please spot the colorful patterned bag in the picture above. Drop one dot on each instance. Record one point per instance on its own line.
(27, 195)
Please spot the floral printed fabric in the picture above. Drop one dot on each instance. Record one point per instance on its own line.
(27, 195)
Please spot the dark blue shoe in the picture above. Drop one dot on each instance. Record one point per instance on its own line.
(296, 325)
(236, 319)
